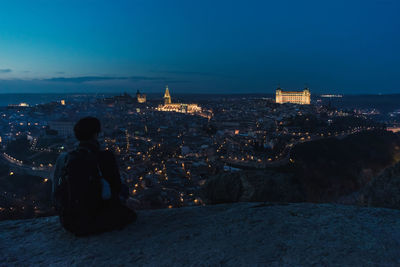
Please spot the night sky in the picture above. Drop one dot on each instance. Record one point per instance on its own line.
(200, 46)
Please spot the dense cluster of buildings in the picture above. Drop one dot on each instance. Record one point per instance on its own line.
(177, 107)
(165, 156)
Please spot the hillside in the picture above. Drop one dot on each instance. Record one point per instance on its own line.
(228, 234)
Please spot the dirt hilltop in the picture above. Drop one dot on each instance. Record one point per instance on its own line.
(255, 234)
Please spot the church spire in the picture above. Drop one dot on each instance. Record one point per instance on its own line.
(167, 96)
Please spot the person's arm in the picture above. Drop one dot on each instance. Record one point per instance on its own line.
(55, 175)
(110, 171)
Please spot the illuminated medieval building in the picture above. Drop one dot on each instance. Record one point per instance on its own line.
(295, 97)
(167, 97)
(177, 107)
(141, 98)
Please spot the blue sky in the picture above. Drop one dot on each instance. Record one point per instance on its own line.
(199, 46)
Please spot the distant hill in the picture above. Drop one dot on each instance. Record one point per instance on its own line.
(330, 168)
(384, 103)
(327, 170)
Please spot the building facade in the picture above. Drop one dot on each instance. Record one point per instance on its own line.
(141, 98)
(294, 97)
(64, 128)
(177, 107)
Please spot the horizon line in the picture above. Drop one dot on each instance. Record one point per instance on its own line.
(191, 93)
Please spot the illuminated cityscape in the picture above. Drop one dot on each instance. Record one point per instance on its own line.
(167, 151)
(199, 133)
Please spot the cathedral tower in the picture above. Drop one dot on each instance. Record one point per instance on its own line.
(167, 97)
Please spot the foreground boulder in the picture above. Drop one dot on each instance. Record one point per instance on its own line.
(251, 234)
(252, 186)
(383, 190)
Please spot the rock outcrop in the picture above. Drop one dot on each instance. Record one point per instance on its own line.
(252, 186)
(251, 234)
(383, 190)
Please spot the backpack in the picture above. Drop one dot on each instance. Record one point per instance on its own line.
(78, 190)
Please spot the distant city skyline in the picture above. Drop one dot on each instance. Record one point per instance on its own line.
(347, 47)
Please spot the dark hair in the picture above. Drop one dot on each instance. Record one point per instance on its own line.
(86, 128)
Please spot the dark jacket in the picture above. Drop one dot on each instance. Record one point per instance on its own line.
(103, 215)
(107, 164)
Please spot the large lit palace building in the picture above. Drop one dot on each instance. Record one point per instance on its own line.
(295, 97)
(177, 107)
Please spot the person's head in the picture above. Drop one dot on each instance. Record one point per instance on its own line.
(87, 128)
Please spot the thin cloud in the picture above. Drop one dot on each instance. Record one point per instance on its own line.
(85, 79)
(193, 74)
(188, 73)
(5, 70)
(81, 79)
(178, 81)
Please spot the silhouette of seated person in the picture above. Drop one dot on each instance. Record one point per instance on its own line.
(101, 206)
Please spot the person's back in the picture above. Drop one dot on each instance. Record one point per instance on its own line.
(80, 180)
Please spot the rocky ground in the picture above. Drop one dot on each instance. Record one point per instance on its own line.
(253, 234)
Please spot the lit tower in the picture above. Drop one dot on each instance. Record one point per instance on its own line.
(278, 96)
(167, 97)
(306, 96)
